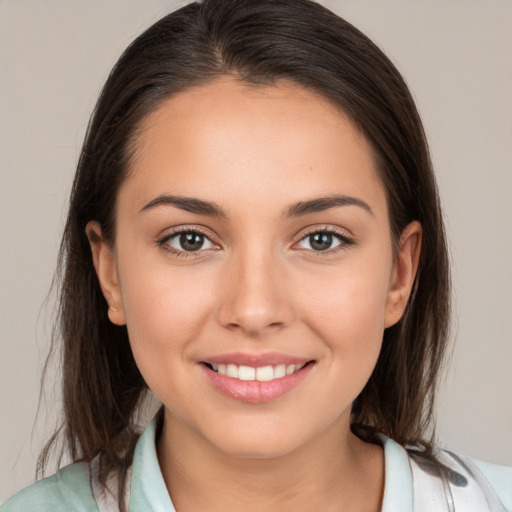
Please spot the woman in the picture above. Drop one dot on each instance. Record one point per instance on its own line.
(254, 234)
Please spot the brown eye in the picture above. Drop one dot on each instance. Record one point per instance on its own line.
(322, 241)
(188, 241)
(191, 241)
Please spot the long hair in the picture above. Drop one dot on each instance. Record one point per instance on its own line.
(257, 42)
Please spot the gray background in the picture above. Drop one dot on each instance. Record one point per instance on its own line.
(456, 57)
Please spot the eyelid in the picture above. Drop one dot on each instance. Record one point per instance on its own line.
(324, 228)
(186, 228)
(345, 237)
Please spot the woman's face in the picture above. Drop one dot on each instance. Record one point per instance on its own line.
(253, 265)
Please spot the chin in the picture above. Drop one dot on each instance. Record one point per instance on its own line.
(268, 440)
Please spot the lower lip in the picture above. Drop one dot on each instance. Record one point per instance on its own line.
(253, 391)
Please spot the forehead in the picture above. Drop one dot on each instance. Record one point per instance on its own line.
(270, 143)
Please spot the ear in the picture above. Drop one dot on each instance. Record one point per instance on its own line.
(404, 272)
(106, 269)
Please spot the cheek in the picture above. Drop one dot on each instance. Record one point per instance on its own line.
(165, 315)
(351, 299)
(347, 310)
(165, 310)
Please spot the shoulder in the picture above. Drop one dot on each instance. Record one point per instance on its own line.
(500, 479)
(461, 480)
(446, 481)
(68, 490)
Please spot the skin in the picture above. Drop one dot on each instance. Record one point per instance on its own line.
(257, 285)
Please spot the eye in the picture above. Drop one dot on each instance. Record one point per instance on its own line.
(324, 240)
(187, 241)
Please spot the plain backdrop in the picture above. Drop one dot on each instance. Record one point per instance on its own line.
(456, 57)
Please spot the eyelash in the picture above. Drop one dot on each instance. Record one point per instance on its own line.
(344, 241)
(163, 242)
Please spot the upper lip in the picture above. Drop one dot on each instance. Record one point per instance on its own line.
(256, 360)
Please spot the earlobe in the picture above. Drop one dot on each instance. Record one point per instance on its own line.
(404, 273)
(106, 270)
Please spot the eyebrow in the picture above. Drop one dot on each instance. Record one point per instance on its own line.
(201, 207)
(325, 203)
(189, 204)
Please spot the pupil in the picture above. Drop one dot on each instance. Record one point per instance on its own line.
(321, 241)
(191, 241)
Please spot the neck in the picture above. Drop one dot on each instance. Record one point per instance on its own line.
(336, 472)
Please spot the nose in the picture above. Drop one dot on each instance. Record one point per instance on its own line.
(254, 296)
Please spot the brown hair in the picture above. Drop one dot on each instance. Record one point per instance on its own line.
(258, 42)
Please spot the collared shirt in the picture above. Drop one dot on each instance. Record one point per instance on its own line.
(411, 485)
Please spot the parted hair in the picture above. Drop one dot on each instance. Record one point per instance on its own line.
(259, 42)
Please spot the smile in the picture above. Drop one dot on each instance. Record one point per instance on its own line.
(261, 373)
(259, 383)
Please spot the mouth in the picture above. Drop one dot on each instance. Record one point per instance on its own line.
(256, 384)
(266, 373)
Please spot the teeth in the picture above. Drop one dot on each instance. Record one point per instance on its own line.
(261, 373)
(246, 373)
(279, 371)
(232, 371)
(264, 373)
